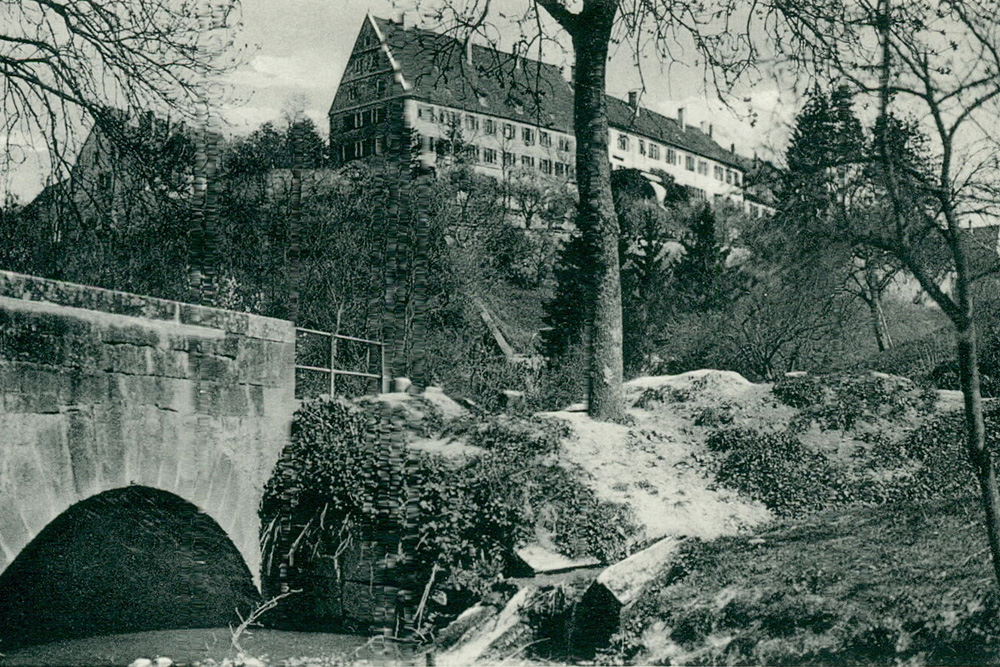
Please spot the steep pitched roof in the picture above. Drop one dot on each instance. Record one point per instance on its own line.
(525, 90)
(436, 68)
(656, 126)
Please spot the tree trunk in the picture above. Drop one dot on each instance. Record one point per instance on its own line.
(877, 324)
(874, 302)
(982, 460)
(597, 219)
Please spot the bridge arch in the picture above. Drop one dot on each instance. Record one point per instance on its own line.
(101, 390)
(128, 559)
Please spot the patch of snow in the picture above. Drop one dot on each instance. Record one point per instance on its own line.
(449, 408)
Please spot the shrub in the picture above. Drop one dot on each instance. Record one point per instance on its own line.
(843, 401)
(934, 460)
(774, 468)
(465, 516)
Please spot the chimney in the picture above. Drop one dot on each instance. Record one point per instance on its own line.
(468, 51)
(680, 117)
(732, 148)
(710, 129)
(633, 99)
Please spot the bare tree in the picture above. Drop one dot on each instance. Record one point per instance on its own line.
(67, 63)
(933, 72)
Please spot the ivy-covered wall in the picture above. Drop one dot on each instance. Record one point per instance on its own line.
(387, 515)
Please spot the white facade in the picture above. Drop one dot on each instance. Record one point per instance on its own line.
(705, 178)
(499, 146)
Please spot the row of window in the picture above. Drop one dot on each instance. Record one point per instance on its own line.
(364, 118)
(671, 156)
(490, 127)
(491, 156)
(375, 86)
(361, 149)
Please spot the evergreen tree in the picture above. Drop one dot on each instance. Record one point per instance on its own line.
(825, 187)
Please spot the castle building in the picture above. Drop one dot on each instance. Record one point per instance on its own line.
(507, 114)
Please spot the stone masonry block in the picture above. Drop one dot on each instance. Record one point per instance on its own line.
(128, 359)
(169, 363)
(82, 451)
(88, 388)
(15, 403)
(130, 334)
(255, 394)
(82, 352)
(13, 531)
(53, 454)
(31, 346)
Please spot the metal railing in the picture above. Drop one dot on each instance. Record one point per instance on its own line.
(375, 369)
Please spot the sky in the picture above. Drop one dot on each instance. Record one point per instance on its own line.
(297, 50)
(294, 53)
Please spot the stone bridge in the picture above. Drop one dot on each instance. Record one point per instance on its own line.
(118, 408)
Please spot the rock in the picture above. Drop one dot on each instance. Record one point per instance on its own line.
(456, 631)
(141, 662)
(250, 661)
(543, 561)
(506, 632)
(450, 408)
(163, 662)
(599, 612)
(511, 399)
(626, 579)
(401, 385)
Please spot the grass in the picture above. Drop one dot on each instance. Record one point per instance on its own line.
(904, 583)
(189, 646)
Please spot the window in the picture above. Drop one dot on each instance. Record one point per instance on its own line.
(527, 162)
(654, 152)
(354, 121)
(508, 131)
(472, 152)
(471, 123)
(380, 86)
(671, 156)
(565, 145)
(702, 167)
(560, 168)
(736, 178)
(352, 93)
(449, 117)
(697, 193)
(642, 147)
(490, 126)
(689, 162)
(720, 173)
(489, 155)
(509, 159)
(545, 166)
(374, 116)
(729, 176)
(528, 136)
(425, 113)
(622, 142)
(442, 147)
(544, 139)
